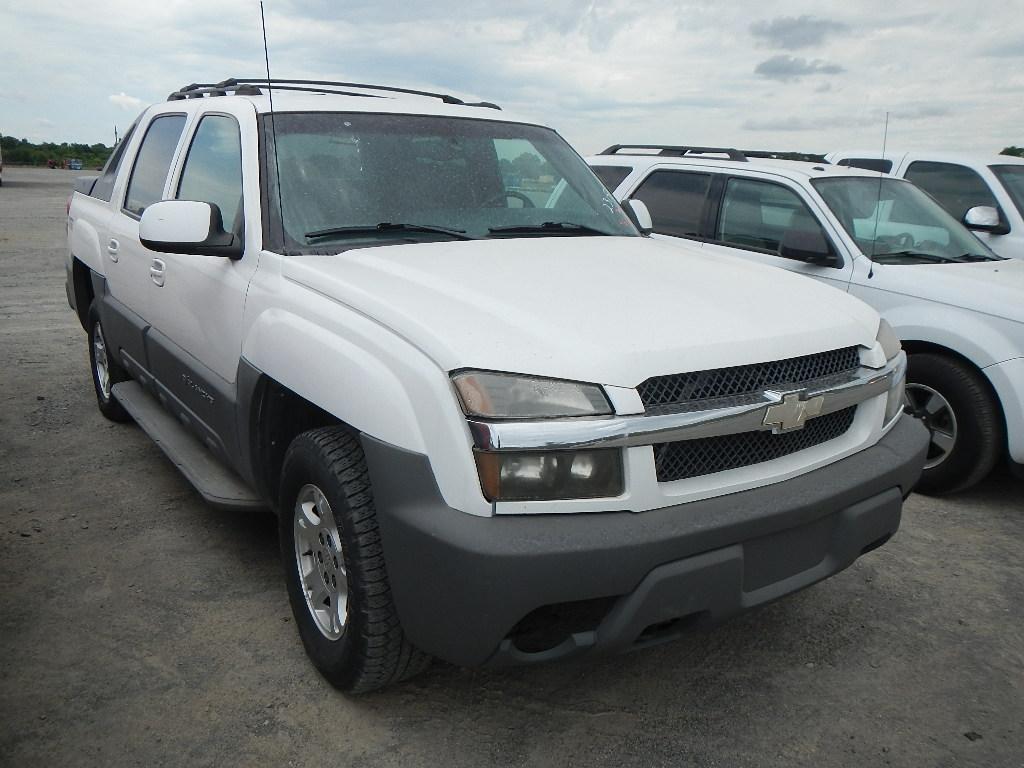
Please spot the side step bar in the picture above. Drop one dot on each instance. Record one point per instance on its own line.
(216, 483)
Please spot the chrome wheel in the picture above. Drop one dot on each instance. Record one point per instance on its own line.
(320, 561)
(937, 414)
(102, 367)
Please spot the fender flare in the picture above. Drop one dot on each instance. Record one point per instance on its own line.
(334, 374)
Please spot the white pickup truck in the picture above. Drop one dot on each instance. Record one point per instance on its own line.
(496, 423)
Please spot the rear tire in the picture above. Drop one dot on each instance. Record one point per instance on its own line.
(334, 566)
(964, 418)
(106, 372)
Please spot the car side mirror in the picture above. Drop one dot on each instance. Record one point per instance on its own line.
(985, 218)
(640, 215)
(809, 246)
(187, 226)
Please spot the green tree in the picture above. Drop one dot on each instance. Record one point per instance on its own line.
(1015, 151)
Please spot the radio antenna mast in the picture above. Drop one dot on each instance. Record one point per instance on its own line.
(878, 201)
(273, 129)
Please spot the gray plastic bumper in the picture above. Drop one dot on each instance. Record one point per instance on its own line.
(462, 583)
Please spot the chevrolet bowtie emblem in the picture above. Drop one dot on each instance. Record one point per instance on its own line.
(793, 412)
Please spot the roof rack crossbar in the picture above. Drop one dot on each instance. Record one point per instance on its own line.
(672, 150)
(242, 86)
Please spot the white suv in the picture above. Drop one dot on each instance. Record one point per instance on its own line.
(497, 425)
(985, 192)
(957, 307)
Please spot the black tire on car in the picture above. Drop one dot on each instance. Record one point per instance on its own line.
(961, 411)
(106, 371)
(334, 565)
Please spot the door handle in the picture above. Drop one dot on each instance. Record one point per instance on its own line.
(156, 271)
(112, 248)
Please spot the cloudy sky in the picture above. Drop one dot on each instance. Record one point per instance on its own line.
(806, 76)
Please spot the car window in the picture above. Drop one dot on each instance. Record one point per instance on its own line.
(756, 214)
(343, 174)
(104, 186)
(213, 169)
(611, 175)
(867, 163)
(676, 201)
(956, 187)
(146, 185)
(1012, 179)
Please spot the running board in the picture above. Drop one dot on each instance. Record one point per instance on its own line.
(217, 484)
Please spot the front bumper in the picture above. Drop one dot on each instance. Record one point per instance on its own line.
(1008, 380)
(474, 590)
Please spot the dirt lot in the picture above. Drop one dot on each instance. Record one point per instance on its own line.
(140, 627)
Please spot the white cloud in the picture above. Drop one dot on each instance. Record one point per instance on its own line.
(599, 71)
(126, 102)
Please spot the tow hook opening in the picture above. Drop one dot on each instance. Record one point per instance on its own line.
(550, 626)
(670, 629)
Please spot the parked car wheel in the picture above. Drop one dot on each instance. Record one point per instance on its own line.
(106, 372)
(334, 565)
(960, 411)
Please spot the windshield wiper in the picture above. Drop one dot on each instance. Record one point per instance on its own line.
(548, 227)
(929, 258)
(972, 257)
(387, 226)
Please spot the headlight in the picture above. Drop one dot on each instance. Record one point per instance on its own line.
(510, 396)
(891, 347)
(888, 339)
(897, 390)
(550, 475)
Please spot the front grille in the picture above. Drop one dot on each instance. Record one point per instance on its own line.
(707, 455)
(665, 392)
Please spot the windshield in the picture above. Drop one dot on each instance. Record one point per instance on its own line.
(1012, 179)
(352, 180)
(893, 221)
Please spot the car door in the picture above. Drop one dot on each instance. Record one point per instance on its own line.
(752, 216)
(196, 306)
(128, 308)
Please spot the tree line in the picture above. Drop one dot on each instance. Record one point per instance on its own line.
(24, 152)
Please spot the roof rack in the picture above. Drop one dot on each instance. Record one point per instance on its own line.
(806, 157)
(669, 150)
(252, 86)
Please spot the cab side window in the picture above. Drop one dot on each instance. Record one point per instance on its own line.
(213, 169)
(104, 186)
(955, 187)
(146, 185)
(676, 201)
(758, 214)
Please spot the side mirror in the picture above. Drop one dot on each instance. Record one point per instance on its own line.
(187, 226)
(985, 218)
(640, 215)
(808, 245)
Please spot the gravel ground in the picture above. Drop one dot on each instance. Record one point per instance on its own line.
(140, 627)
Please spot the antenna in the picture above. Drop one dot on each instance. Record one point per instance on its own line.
(878, 201)
(273, 128)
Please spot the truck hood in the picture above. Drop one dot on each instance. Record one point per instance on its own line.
(610, 310)
(991, 287)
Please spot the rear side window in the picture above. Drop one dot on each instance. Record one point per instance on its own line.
(757, 214)
(956, 187)
(676, 201)
(146, 185)
(213, 169)
(867, 163)
(611, 175)
(104, 186)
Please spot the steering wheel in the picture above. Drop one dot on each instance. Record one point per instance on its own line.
(904, 240)
(502, 196)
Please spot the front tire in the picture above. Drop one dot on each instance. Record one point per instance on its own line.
(106, 372)
(334, 566)
(962, 414)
